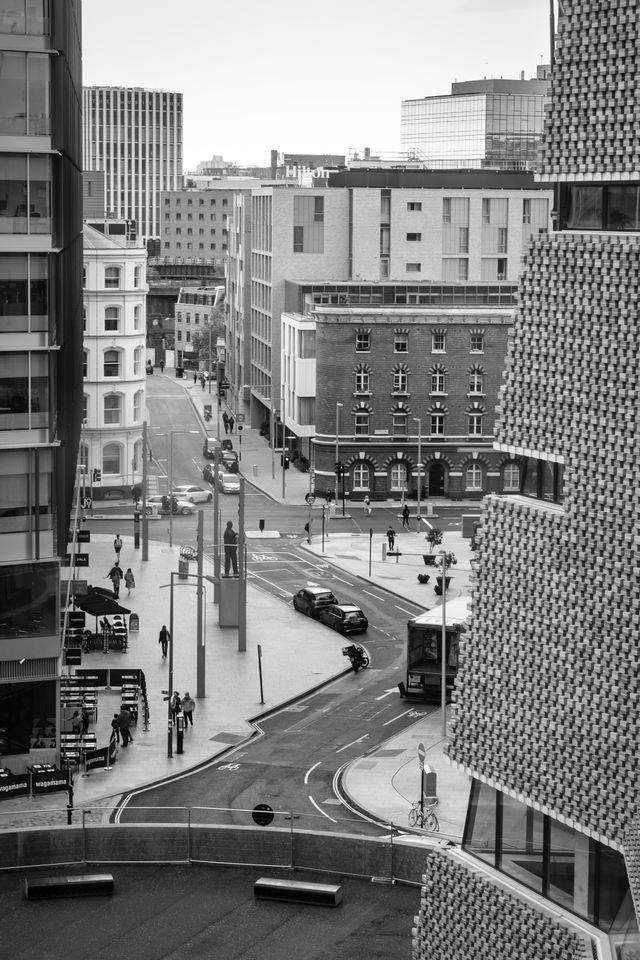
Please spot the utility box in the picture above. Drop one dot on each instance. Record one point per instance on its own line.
(183, 569)
(228, 602)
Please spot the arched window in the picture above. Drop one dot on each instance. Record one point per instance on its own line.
(111, 458)
(398, 476)
(361, 477)
(400, 378)
(137, 317)
(112, 319)
(363, 381)
(476, 380)
(137, 405)
(85, 407)
(112, 278)
(475, 423)
(511, 477)
(85, 362)
(473, 477)
(137, 361)
(438, 379)
(112, 363)
(137, 276)
(400, 424)
(361, 423)
(436, 422)
(112, 408)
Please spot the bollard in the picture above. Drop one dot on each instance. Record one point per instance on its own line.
(69, 814)
(255, 469)
(180, 728)
(384, 551)
(136, 530)
(261, 525)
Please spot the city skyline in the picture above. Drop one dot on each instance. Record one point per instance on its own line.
(361, 67)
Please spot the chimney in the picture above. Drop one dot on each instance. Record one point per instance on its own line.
(522, 74)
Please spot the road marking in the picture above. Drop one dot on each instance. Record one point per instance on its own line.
(393, 719)
(387, 692)
(359, 740)
(311, 800)
(375, 595)
(229, 766)
(284, 593)
(343, 581)
(410, 612)
(310, 771)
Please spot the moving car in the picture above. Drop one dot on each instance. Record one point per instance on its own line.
(345, 618)
(228, 483)
(180, 506)
(192, 493)
(211, 444)
(312, 600)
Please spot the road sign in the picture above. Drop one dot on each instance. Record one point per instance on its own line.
(309, 497)
(262, 814)
(83, 536)
(421, 755)
(86, 503)
(240, 418)
(82, 559)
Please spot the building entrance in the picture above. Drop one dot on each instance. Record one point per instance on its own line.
(436, 479)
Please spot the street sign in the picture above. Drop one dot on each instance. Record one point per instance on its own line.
(240, 418)
(86, 503)
(73, 656)
(421, 755)
(309, 497)
(82, 559)
(83, 536)
(262, 814)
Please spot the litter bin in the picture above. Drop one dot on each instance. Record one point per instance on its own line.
(179, 371)
(183, 568)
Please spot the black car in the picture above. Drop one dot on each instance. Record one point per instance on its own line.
(345, 618)
(312, 600)
(230, 462)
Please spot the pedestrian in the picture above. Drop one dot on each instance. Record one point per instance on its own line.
(163, 637)
(85, 719)
(115, 575)
(129, 580)
(76, 723)
(230, 549)
(405, 515)
(115, 728)
(202, 380)
(231, 423)
(391, 537)
(367, 504)
(162, 366)
(176, 705)
(328, 496)
(225, 420)
(117, 546)
(188, 706)
(125, 719)
(195, 376)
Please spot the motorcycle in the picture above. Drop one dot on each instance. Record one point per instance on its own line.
(356, 655)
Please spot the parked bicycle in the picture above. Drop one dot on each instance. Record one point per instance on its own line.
(424, 817)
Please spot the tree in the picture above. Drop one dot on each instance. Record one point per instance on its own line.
(209, 333)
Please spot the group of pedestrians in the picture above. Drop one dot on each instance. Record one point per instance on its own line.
(120, 724)
(185, 705)
(228, 421)
(117, 574)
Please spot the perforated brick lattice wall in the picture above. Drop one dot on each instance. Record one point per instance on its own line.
(632, 858)
(464, 916)
(592, 123)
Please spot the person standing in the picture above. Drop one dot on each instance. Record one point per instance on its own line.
(117, 546)
(115, 728)
(391, 537)
(115, 575)
(405, 515)
(129, 581)
(188, 706)
(85, 719)
(230, 549)
(162, 366)
(231, 423)
(176, 705)
(125, 719)
(367, 505)
(202, 380)
(195, 376)
(163, 638)
(225, 420)
(76, 723)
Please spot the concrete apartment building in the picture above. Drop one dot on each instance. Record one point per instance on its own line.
(134, 136)
(481, 123)
(195, 224)
(546, 700)
(40, 355)
(114, 359)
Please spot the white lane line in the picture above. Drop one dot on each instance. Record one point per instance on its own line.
(256, 576)
(410, 612)
(310, 771)
(311, 800)
(376, 595)
(393, 720)
(343, 581)
(359, 740)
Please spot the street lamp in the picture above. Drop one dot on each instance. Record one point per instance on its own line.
(338, 405)
(173, 575)
(171, 435)
(443, 654)
(418, 420)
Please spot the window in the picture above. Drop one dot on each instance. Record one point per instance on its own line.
(400, 423)
(473, 477)
(476, 342)
(486, 211)
(526, 211)
(137, 317)
(363, 341)
(112, 408)
(363, 381)
(112, 319)
(511, 477)
(438, 380)
(137, 276)
(24, 87)
(398, 477)
(137, 405)
(298, 239)
(400, 381)
(455, 269)
(112, 278)
(436, 423)
(413, 267)
(543, 480)
(446, 209)
(463, 239)
(85, 363)
(318, 212)
(474, 424)
(502, 239)
(111, 363)
(438, 341)
(137, 361)
(361, 423)
(306, 344)
(111, 458)
(361, 477)
(476, 381)
(414, 236)
(401, 341)
(414, 206)
(502, 269)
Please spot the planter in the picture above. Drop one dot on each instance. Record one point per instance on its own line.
(429, 559)
(438, 586)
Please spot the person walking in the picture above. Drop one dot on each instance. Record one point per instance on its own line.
(231, 423)
(129, 580)
(115, 575)
(230, 539)
(125, 719)
(188, 706)
(225, 420)
(115, 728)
(85, 719)
(195, 376)
(405, 515)
(176, 705)
(367, 505)
(117, 546)
(163, 637)
(162, 366)
(202, 380)
(76, 723)
(391, 537)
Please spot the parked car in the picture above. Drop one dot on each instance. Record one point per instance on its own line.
(230, 461)
(179, 506)
(211, 444)
(312, 600)
(208, 472)
(192, 493)
(228, 483)
(345, 618)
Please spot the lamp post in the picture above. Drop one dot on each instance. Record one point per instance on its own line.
(338, 405)
(173, 575)
(418, 420)
(171, 435)
(443, 654)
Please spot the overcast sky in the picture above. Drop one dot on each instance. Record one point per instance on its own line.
(311, 76)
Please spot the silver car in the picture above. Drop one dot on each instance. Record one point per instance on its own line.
(192, 493)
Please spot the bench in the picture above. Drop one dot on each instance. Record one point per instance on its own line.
(84, 885)
(298, 891)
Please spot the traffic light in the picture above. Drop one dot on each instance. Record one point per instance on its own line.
(97, 476)
(338, 469)
(285, 463)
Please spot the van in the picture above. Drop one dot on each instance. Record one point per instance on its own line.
(211, 444)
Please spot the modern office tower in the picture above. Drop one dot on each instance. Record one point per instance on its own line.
(135, 137)
(546, 719)
(40, 353)
(114, 358)
(481, 123)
